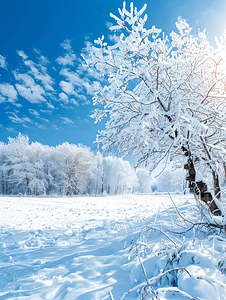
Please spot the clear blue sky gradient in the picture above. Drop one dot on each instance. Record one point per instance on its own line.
(38, 27)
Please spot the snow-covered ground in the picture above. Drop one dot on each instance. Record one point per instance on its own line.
(78, 248)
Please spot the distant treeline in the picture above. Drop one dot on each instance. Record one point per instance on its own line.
(35, 169)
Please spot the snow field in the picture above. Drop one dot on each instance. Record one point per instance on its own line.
(78, 248)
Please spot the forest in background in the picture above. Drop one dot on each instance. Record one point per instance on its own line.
(35, 169)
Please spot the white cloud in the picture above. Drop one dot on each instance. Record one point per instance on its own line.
(66, 120)
(109, 24)
(38, 71)
(114, 38)
(3, 63)
(50, 105)
(67, 87)
(34, 112)
(22, 54)
(75, 79)
(64, 97)
(66, 45)
(46, 111)
(55, 127)
(43, 60)
(70, 57)
(2, 99)
(8, 90)
(40, 126)
(37, 115)
(27, 119)
(67, 59)
(17, 120)
(29, 89)
(73, 101)
(10, 129)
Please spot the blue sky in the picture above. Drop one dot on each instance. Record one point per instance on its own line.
(44, 91)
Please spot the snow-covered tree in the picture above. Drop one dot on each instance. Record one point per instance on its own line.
(19, 163)
(39, 178)
(36, 169)
(165, 97)
(112, 175)
(27, 164)
(144, 181)
(5, 169)
(73, 167)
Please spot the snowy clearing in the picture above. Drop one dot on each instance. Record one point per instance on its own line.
(78, 248)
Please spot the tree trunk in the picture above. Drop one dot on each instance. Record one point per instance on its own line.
(200, 187)
(216, 185)
(28, 190)
(3, 184)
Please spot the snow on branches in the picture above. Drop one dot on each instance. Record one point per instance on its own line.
(164, 95)
(35, 169)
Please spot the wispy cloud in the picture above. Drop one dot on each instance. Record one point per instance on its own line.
(11, 129)
(76, 80)
(114, 38)
(40, 126)
(3, 63)
(73, 101)
(55, 127)
(69, 57)
(64, 97)
(32, 81)
(8, 93)
(29, 89)
(15, 119)
(69, 89)
(73, 85)
(50, 105)
(43, 60)
(66, 120)
(37, 115)
(46, 111)
(39, 71)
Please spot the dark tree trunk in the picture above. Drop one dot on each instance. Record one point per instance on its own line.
(200, 187)
(216, 185)
(28, 190)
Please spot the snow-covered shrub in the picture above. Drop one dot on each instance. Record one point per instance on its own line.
(180, 256)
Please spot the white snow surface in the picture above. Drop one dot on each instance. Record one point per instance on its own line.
(78, 248)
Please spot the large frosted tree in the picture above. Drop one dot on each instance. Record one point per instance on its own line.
(164, 97)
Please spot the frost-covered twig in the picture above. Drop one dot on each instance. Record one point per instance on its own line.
(110, 295)
(152, 281)
(140, 245)
(174, 290)
(146, 228)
